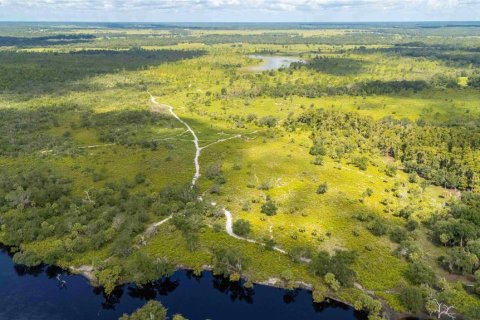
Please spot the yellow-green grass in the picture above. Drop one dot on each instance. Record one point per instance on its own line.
(322, 222)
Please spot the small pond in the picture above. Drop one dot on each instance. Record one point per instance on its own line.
(272, 62)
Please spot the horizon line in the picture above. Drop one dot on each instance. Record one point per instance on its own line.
(239, 22)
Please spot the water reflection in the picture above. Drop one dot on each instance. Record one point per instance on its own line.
(328, 304)
(191, 275)
(234, 289)
(161, 287)
(31, 271)
(290, 296)
(47, 292)
(272, 62)
(109, 301)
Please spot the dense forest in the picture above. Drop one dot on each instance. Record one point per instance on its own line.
(453, 55)
(446, 156)
(27, 72)
(60, 39)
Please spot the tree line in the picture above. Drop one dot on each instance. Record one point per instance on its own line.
(446, 156)
(58, 39)
(454, 55)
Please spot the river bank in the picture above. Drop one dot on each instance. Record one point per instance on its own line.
(49, 292)
(273, 282)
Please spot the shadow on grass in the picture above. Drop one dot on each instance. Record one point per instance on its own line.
(335, 66)
(52, 40)
(451, 55)
(30, 73)
(23, 131)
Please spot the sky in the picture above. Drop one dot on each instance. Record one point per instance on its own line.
(239, 10)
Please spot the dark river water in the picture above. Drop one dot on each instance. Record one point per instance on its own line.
(37, 293)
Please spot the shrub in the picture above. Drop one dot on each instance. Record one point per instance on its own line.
(474, 82)
(367, 193)
(215, 189)
(214, 171)
(408, 250)
(265, 185)
(140, 178)
(299, 253)
(318, 149)
(228, 261)
(412, 299)
(220, 180)
(237, 166)
(269, 207)
(367, 303)
(322, 188)
(458, 260)
(361, 162)
(318, 161)
(246, 206)
(217, 227)
(391, 170)
(411, 225)
(26, 258)
(251, 117)
(339, 264)
(108, 278)
(405, 213)
(472, 313)
(363, 216)
(412, 177)
(268, 121)
(269, 243)
(151, 310)
(319, 294)
(331, 281)
(418, 273)
(378, 228)
(398, 234)
(143, 269)
(241, 227)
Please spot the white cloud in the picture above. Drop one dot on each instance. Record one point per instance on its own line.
(275, 5)
(239, 10)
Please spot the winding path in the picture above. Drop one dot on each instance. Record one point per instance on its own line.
(151, 229)
(198, 150)
(229, 229)
(159, 107)
(88, 270)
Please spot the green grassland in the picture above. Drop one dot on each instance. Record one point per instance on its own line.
(87, 117)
